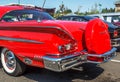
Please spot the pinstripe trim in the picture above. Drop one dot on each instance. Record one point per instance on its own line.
(20, 40)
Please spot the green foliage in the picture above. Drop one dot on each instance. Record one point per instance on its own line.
(106, 10)
(62, 10)
(95, 9)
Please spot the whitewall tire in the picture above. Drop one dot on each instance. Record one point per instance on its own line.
(11, 64)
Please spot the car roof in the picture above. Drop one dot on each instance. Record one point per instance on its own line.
(6, 9)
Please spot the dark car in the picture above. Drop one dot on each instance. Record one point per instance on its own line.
(113, 29)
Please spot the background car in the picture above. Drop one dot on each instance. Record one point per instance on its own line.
(113, 29)
(113, 18)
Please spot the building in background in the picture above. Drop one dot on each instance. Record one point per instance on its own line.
(117, 6)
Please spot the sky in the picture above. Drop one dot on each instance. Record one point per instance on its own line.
(84, 5)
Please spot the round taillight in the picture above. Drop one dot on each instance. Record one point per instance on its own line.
(61, 48)
(115, 33)
(64, 48)
(68, 47)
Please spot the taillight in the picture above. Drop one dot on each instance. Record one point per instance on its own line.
(66, 48)
(115, 33)
(61, 49)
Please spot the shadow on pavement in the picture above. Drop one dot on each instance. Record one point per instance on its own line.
(42, 75)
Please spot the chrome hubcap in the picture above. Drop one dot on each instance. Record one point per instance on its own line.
(10, 60)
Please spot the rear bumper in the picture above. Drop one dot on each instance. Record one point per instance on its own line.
(105, 57)
(75, 59)
(64, 63)
(115, 42)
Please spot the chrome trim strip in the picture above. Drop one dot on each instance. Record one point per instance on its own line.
(115, 42)
(111, 52)
(20, 40)
(105, 54)
(116, 39)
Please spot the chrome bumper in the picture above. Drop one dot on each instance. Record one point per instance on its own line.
(72, 60)
(106, 56)
(63, 63)
(115, 42)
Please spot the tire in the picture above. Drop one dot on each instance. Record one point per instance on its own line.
(11, 64)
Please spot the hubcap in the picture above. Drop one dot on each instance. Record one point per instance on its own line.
(10, 60)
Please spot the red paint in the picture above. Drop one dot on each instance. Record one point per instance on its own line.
(97, 37)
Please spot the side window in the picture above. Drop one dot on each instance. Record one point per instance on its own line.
(66, 18)
(10, 18)
(116, 19)
(75, 19)
(112, 18)
(24, 17)
(78, 19)
(82, 19)
(109, 19)
(16, 16)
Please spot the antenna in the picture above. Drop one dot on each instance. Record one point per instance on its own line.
(44, 3)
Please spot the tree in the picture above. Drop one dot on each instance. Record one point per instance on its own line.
(67, 11)
(106, 10)
(62, 7)
(62, 10)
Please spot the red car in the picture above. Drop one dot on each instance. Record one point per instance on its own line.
(32, 37)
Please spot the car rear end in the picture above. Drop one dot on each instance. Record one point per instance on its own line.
(115, 37)
(98, 48)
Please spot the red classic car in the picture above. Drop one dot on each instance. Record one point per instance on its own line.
(32, 37)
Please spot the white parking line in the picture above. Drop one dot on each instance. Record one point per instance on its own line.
(116, 61)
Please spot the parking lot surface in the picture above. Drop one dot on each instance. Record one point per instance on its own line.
(108, 72)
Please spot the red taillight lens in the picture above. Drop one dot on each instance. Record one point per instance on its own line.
(95, 59)
(115, 33)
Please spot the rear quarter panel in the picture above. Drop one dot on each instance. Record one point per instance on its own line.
(28, 41)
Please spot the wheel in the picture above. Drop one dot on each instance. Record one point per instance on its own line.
(11, 64)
